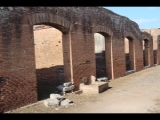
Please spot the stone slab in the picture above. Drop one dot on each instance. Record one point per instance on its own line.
(64, 89)
(102, 79)
(51, 102)
(129, 72)
(55, 96)
(67, 84)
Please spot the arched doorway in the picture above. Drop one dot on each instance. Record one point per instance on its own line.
(52, 57)
(155, 46)
(49, 59)
(146, 53)
(103, 55)
(129, 54)
(100, 55)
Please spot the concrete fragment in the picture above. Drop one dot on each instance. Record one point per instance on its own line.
(63, 88)
(60, 87)
(71, 87)
(55, 96)
(67, 84)
(64, 102)
(102, 79)
(51, 102)
(61, 99)
(68, 100)
(46, 103)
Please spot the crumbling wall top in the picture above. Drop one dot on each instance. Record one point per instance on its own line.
(87, 16)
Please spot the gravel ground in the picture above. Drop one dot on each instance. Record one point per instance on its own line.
(135, 93)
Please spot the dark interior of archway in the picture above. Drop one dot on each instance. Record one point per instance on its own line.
(155, 56)
(49, 59)
(100, 64)
(127, 62)
(100, 55)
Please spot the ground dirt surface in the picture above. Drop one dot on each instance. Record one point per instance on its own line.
(138, 92)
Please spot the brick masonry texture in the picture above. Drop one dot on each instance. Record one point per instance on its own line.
(27, 54)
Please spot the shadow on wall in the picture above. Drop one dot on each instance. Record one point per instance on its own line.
(48, 79)
(100, 64)
(155, 56)
(127, 61)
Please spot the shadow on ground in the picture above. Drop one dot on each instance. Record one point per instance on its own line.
(48, 79)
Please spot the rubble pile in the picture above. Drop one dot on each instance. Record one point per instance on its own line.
(57, 100)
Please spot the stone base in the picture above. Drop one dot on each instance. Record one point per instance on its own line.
(94, 88)
(145, 67)
(129, 72)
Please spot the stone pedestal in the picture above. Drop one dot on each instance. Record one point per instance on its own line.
(94, 88)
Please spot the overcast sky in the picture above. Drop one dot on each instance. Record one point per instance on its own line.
(145, 17)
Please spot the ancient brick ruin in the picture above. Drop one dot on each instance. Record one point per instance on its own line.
(23, 54)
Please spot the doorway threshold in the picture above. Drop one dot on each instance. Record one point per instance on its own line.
(146, 67)
(129, 72)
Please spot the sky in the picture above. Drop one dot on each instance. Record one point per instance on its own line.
(145, 17)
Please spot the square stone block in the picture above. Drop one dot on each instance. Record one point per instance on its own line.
(95, 88)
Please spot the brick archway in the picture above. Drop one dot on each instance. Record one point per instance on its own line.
(108, 50)
(147, 46)
(62, 25)
(146, 52)
(78, 25)
(130, 55)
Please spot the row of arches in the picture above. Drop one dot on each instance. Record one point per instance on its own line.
(42, 59)
(55, 52)
(129, 53)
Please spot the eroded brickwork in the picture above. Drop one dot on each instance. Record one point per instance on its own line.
(77, 25)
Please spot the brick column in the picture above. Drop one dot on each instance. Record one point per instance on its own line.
(67, 55)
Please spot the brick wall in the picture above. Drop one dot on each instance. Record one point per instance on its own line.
(28, 57)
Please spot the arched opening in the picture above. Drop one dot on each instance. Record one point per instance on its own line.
(103, 55)
(146, 53)
(129, 54)
(50, 58)
(158, 49)
(100, 55)
(155, 46)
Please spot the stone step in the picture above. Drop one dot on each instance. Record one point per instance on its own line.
(129, 72)
(94, 88)
(67, 84)
(55, 96)
(65, 89)
(146, 67)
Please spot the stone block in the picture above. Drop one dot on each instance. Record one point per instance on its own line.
(55, 96)
(65, 102)
(71, 87)
(63, 88)
(102, 79)
(51, 102)
(95, 88)
(67, 84)
(60, 87)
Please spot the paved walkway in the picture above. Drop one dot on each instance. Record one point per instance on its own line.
(135, 93)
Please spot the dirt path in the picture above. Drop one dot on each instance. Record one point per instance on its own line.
(135, 93)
